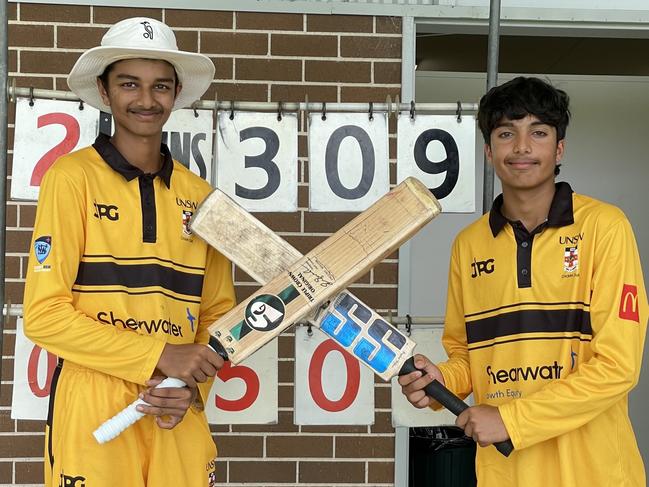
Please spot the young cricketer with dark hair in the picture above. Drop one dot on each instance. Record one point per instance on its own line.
(546, 313)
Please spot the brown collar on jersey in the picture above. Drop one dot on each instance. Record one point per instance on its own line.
(118, 162)
(560, 215)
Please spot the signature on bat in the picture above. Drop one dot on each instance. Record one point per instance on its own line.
(320, 273)
(367, 236)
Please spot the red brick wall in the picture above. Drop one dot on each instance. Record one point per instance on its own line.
(258, 57)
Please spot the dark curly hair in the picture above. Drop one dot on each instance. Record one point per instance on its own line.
(521, 97)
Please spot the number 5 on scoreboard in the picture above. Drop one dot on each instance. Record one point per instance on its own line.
(246, 393)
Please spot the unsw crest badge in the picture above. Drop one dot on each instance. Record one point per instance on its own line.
(187, 216)
(571, 259)
(42, 248)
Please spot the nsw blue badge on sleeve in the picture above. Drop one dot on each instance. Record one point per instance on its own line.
(42, 248)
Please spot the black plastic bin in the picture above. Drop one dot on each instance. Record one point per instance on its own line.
(441, 456)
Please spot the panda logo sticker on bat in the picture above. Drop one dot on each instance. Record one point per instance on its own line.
(265, 312)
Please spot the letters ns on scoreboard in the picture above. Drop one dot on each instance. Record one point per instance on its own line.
(184, 147)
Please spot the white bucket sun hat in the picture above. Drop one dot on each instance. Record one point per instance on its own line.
(140, 37)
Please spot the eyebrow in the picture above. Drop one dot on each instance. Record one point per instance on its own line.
(135, 78)
(511, 124)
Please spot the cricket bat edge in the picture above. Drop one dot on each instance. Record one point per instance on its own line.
(424, 194)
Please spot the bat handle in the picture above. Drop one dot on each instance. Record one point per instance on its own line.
(216, 345)
(450, 401)
(113, 427)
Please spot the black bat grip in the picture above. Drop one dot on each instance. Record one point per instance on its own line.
(450, 401)
(218, 348)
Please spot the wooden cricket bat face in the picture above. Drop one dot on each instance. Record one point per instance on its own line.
(322, 273)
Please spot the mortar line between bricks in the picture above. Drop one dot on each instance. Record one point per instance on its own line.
(298, 57)
(294, 57)
(344, 84)
(332, 83)
(276, 32)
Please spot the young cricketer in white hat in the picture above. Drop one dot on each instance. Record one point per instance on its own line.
(117, 285)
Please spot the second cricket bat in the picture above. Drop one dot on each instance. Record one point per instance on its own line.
(347, 320)
(304, 285)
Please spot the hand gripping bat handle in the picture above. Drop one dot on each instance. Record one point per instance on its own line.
(450, 401)
(215, 345)
(113, 427)
(127, 416)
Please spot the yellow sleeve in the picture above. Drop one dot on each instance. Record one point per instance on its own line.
(50, 318)
(456, 370)
(216, 300)
(618, 312)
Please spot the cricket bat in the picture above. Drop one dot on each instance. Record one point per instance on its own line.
(306, 283)
(347, 320)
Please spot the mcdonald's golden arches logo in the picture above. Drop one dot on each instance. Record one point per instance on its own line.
(629, 303)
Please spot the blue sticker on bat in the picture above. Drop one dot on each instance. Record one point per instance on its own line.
(347, 323)
(345, 334)
(377, 355)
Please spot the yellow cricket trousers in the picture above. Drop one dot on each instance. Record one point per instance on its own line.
(142, 456)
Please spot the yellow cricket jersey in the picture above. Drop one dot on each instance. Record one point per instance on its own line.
(549, 326)
(115, 273)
